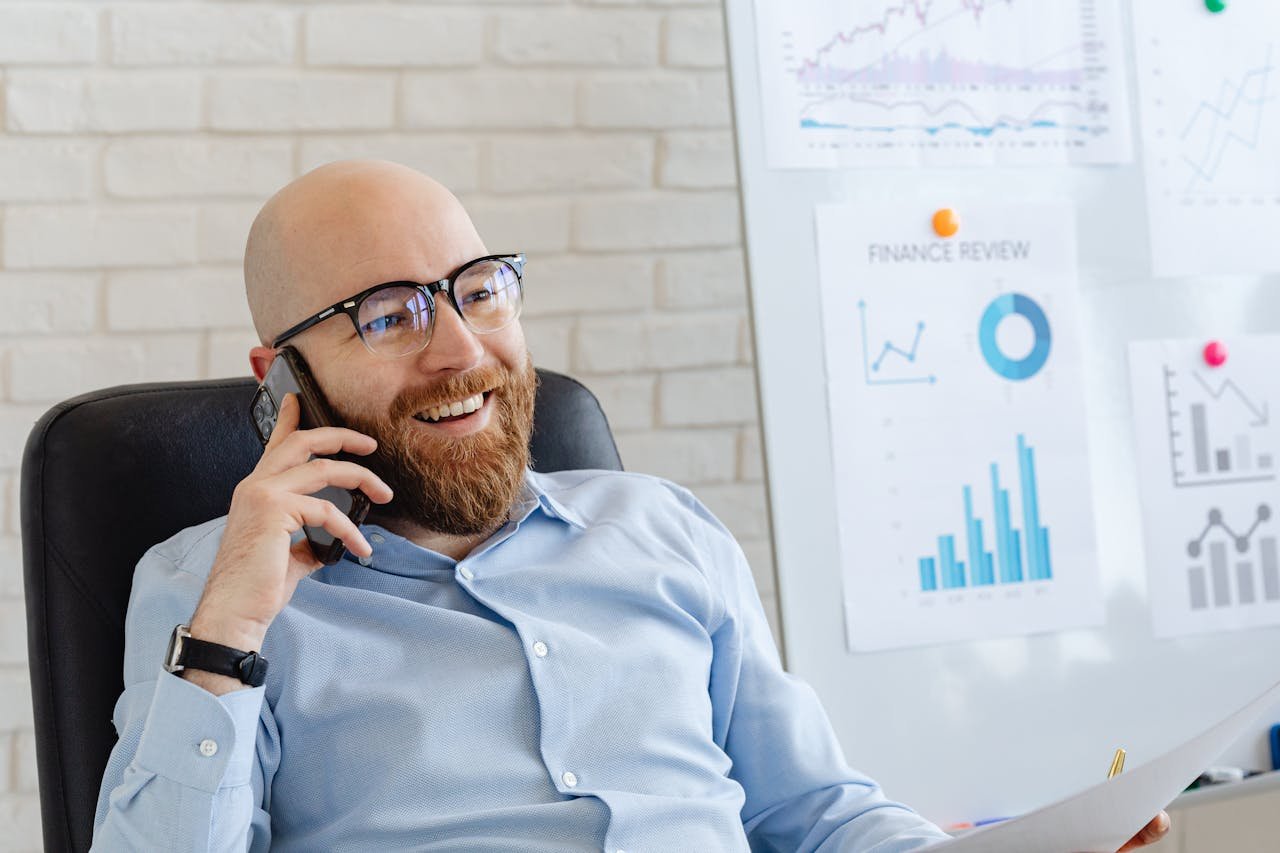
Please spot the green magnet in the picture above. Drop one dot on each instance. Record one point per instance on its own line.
(1215, 6)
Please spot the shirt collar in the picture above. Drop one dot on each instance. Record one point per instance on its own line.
(401, 556)
(535, 496)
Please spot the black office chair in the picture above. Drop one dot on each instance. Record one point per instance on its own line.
(107, 475)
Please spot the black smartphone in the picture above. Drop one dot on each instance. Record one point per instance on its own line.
(288, 374)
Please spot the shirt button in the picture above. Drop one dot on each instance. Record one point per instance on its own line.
(466, 573)
(208, 748)
(366, 561)
(376, 538)
(540, 649)
(569, 779)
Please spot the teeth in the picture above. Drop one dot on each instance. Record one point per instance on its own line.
(453, 409)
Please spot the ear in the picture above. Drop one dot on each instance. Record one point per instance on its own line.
(260, 359)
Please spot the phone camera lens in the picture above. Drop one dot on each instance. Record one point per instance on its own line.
(264, 414)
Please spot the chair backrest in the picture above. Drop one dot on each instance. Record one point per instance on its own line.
(109, 474)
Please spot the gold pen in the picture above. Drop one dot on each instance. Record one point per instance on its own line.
(1117, 764)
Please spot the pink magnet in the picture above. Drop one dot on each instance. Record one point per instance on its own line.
(1215, 353)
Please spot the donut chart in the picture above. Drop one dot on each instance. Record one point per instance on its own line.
(1002, 306)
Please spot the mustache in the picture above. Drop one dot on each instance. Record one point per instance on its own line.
(413, 400)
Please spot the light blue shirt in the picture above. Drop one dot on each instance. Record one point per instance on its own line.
(597, 675)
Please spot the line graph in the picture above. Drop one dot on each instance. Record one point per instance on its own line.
(926, 68)
(1211, 132)
(1215, 520)
(983, 76)
(1216, 585)
(1260, 412)
(1210, 96)
(919, 9)
(908, 355)
(881, 116)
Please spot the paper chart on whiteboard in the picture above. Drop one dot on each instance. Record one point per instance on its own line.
(1208, 457)
(941, 82)
(1210, 96)
(957, 422)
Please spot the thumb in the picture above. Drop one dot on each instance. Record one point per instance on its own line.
(302, 561)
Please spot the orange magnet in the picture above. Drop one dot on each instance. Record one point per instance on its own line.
(946, 223)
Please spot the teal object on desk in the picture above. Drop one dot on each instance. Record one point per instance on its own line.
(1275, 747)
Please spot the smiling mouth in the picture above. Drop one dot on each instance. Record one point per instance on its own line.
(455, 410)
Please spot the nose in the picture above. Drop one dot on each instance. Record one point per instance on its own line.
(453, 346)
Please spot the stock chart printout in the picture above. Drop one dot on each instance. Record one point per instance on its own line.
(1209, 89)
(1208, 456)
(941, 82)
(957, 420)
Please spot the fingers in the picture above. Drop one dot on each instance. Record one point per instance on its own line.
(1149, 834)
(286, 421)
(316, 512)
(311, 477)
(291, 447)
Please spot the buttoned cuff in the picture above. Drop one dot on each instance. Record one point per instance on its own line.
(198, 739)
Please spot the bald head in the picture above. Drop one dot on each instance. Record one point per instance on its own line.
(346, 226)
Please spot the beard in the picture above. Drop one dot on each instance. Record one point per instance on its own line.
(455, 485)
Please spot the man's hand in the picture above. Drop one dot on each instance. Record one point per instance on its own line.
(257, 567)
(1149, 834)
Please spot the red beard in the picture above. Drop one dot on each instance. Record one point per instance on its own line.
(459, 486)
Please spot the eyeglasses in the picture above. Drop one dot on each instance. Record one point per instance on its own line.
(395, 319)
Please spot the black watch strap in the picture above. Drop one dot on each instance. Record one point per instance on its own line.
(248, 667)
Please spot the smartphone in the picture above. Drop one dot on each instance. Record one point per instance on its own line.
(289, 374)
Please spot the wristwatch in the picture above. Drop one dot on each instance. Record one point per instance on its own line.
(186, 651)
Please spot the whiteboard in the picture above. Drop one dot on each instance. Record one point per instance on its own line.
(990, 728)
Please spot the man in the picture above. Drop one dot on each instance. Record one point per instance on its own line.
(504, 660)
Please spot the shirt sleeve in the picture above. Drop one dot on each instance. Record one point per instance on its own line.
(800, 793)
(190, 769)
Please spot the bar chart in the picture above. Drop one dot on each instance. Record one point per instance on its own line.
(1217, 585)
(1217, 431)
(1020, 555)
(1208, 456)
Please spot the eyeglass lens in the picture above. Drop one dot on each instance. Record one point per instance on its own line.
(396, 321)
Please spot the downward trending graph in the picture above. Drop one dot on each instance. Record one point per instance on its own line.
(955, 74)
(1218, 432)
(1208, 459)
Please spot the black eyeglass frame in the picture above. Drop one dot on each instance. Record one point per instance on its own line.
(351, 305)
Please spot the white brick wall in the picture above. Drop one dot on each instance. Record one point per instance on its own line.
(389, 36)
(48, 33)
(104, 102)
(200, 34)
(137, 140)
(164, 168)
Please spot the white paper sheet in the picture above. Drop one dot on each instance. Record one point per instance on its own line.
(1211, 130)
(1209, 461)
(956, 402)
(941, 82)
(1102, 818)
